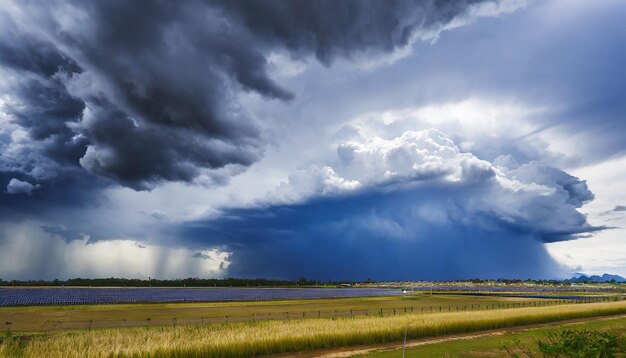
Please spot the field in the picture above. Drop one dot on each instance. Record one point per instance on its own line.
(492, 345)
(47, 318)
(245, 339)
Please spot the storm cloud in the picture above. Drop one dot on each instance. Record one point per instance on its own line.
(145, 92)
(336, 140)
(405, 207)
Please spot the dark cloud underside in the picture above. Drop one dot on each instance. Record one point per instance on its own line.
(436, 231)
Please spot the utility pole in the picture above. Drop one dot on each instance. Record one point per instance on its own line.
(404, 347)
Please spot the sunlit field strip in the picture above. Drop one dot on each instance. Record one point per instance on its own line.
(268, 337)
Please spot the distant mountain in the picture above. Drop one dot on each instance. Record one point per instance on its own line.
(581, 277)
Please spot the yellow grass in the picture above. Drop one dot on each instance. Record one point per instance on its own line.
(252, 339)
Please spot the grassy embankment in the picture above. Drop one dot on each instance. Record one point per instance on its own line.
(47, 318)
(267, 337)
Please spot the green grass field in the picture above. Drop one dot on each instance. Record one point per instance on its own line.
(50, 318)
(246, 339)
(492, 346)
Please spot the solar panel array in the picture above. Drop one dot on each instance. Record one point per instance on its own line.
(78, 296)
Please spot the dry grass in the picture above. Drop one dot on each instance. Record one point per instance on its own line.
(253, 339)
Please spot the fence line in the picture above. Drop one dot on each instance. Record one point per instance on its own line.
(288, 315)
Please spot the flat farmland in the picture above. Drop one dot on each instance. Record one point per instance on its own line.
(247, 339)
(54, 318)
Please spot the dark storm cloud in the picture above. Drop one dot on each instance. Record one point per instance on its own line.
(146, 91)
(44, 110)
(428, 230)
(62, 232)
(49, 201)
(351, 28)
(141, 92)
(21, 51)
(44, 164)
(354, 239)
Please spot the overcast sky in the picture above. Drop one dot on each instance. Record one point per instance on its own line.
(332, 140)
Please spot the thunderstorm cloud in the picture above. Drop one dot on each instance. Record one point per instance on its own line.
(143, 92)
(395, 139)
(411, 206)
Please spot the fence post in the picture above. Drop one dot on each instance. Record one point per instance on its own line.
(149, 321)
(394, 311)
(350, 313)
(8, 326)
(90, 324)
(319, 314)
